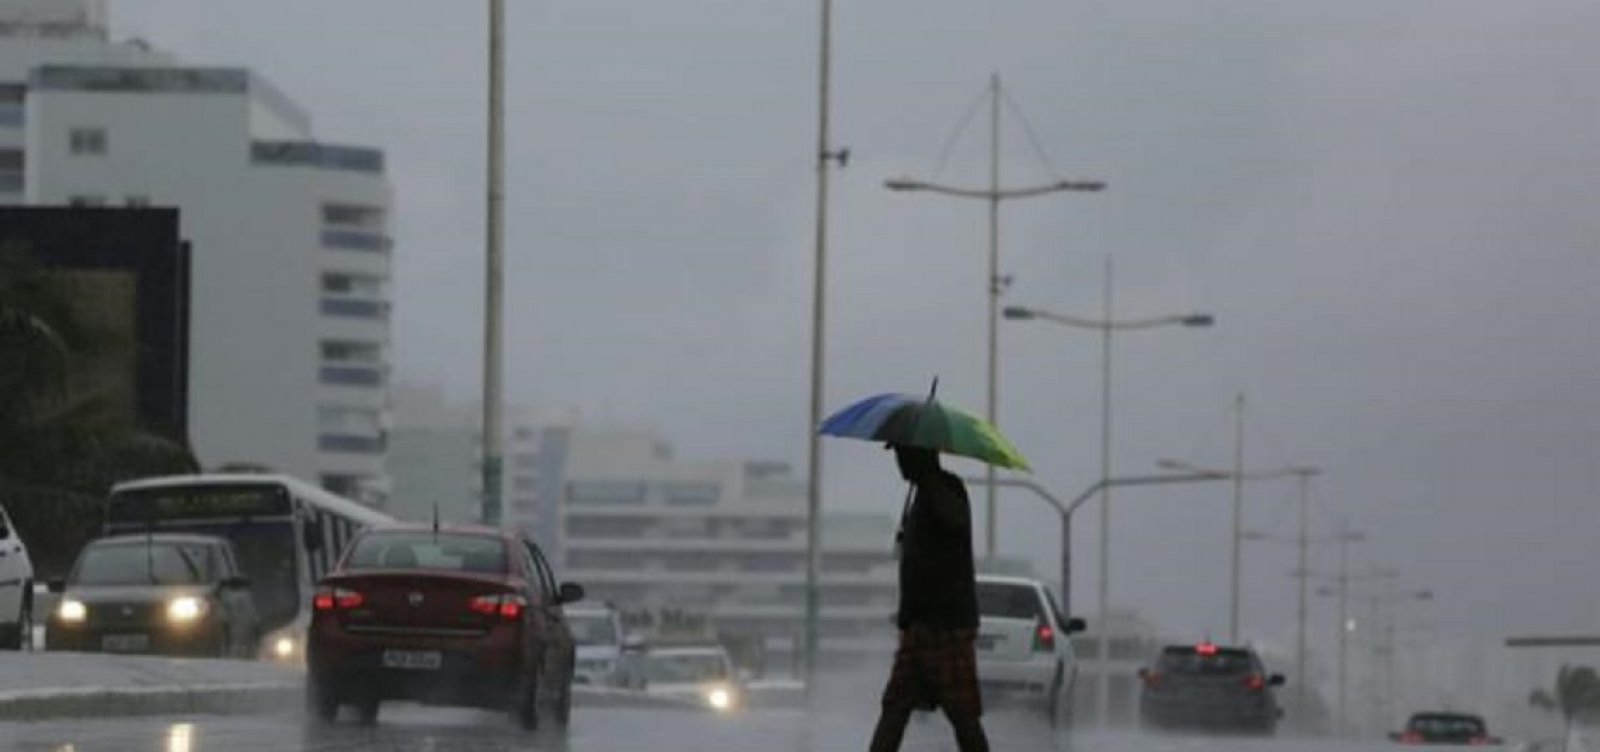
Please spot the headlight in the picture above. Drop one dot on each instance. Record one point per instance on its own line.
(720, 698)
(283, 647)
(186, 608)
(72, 611)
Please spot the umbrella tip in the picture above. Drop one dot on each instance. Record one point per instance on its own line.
(934, 390)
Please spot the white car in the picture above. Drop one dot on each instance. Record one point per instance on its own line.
(597, 631)
(1024, 646)
(702, 676)
(16, 589)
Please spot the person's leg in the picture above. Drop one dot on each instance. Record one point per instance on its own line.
(968, 730)
(891, 728)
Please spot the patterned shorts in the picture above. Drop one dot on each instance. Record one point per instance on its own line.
(935, 667)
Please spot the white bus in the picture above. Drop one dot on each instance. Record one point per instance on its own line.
(287, 533)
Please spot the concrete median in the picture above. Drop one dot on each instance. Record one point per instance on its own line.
(36, 686)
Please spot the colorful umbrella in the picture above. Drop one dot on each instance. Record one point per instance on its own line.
(924, 422)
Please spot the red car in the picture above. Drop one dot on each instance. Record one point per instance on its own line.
(463, 616)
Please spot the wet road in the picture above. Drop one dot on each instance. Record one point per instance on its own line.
(415, 729)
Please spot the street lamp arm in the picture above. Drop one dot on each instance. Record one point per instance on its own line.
(905, 184)
(1122, 325)
(1068, 508)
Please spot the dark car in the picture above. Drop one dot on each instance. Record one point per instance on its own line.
(1209, 686)
(461, 616)
(1445, 728)
(166, 594)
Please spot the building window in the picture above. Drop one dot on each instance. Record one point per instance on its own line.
(351, 351)
(366, 285)
(523, 483)
(87, 141)
(692, 494)
(356, 240)
(604, 492)
(525, 505)
(351, 444)
(86, 200)
(351, 376)
(353, 216)
(360, 309)
(12, 169)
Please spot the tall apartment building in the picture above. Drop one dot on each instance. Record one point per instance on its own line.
(289, 329)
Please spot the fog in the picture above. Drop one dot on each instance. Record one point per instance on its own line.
(1388, 207)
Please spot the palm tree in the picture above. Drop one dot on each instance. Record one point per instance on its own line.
(1577, 693)
(64, 439)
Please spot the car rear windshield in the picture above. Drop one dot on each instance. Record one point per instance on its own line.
(593, 629)
(1009, 601)
(140, 564)
(1447, 725)
(1190, 660)
(451, 552)
(685, 668)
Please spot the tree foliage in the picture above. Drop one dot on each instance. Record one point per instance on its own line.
(64, 439)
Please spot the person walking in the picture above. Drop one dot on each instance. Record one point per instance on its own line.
(935, 665)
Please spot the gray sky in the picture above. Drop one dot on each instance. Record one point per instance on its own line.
(1389, 207)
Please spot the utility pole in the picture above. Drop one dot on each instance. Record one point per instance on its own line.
(494, 282)
(1303, 573)
(1344, 617)
(995, 288)
(1238, 515)
(1103, 683)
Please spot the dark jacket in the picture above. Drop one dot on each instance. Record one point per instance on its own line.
(936, 574)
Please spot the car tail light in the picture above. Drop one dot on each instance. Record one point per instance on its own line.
(332, 598)
(1255, 682)
(1411, 737)
(1152, 679)
(1478, 741)
(1044, 639)
(1206, 648)
(508, 606)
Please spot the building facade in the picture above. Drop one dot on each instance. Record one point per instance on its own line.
(289, 328)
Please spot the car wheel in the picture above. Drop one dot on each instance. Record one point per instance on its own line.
(321, 702)
(16, 636)
(1052, 700)
(367, 710)
(525, 705)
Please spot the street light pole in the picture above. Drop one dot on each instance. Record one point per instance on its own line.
(1107, 326)
(1303, 572)
(494, 277)
(1345, 538)
(825, 155)
(993, 195)
(1238, 516)
(993, 406)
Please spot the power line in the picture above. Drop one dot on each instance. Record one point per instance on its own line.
(961, 128)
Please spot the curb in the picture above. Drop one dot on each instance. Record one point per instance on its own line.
(219, 699)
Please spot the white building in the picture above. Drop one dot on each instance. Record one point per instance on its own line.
(289, 311)
(723, 539)
(434, 452)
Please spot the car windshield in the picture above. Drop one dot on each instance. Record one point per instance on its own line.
(593, 629)
(453, 552)
(1193, 661)
(139, 564)
(1009, 601)
(686, 667)
(1447, 725)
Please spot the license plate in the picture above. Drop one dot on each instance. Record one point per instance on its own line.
(989, 641)
(417, 660)
(125, 643)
